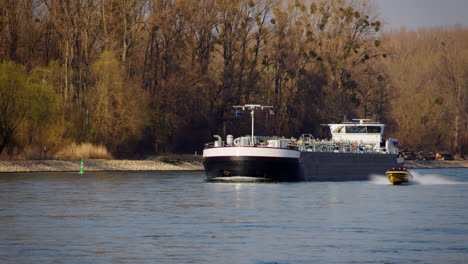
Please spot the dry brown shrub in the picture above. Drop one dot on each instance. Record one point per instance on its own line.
(83, 150)
(26, 153)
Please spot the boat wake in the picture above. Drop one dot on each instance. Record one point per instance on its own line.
(379, 179)
(433, 179)
(422, 179)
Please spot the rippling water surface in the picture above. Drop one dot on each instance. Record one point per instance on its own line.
(177, 217)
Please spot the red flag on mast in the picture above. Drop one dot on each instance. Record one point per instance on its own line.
(238, 111)
(271, 112)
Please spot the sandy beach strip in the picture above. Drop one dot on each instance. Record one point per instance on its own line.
(431, 164)
(96, 165)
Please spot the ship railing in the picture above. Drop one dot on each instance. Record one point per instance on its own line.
(263, 141)
(257, 141)
(209, 145)
(343, 147)
(313, 145)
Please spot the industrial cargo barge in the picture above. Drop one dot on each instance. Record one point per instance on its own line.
(355, 151)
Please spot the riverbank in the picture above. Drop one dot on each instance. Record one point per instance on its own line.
(428, 164)
(162, 163)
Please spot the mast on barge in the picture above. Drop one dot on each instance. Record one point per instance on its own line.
(252, 108)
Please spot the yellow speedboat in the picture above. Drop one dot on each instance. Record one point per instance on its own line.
(399, 176)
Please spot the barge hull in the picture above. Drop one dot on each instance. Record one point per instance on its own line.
(273, 168)
(330, 166)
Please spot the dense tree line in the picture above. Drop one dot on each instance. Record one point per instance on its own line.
(143, 76)
(428, 70)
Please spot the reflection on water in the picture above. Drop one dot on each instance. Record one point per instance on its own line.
(240, 179)
(177, 217)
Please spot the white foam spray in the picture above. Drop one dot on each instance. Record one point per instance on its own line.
(423, 179)
(432, 179)
(379, 179)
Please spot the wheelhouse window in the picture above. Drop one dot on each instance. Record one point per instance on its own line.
(356, 129)
(364, 129)
(374, 129)
(339, 129)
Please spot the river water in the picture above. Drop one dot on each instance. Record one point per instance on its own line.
(177, 217)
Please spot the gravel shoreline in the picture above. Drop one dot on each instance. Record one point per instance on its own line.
(159, 164)
(431, 164)
(164, 163)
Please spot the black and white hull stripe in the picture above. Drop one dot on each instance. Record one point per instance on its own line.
(260, 162)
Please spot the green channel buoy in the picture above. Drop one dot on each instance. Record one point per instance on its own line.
(81, 171)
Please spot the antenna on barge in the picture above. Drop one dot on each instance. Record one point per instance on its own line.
(252, 107)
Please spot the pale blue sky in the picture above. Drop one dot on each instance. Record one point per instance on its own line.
(414, 14)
